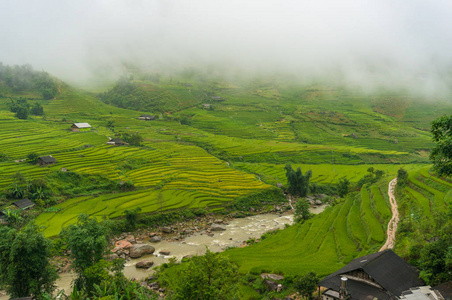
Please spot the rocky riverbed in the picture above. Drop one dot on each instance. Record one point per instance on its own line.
(151, 248)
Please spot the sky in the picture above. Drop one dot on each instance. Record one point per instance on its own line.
(364, 43)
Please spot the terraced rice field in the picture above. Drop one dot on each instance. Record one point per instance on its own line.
(430, 192)
(324, 243)
(172, 176)
(321, 173)
(239, 147)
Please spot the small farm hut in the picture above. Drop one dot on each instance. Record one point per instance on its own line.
(116, 142)
(147, 117)
(79, 127)
(24, 204)
(46, 160)
(217, 98)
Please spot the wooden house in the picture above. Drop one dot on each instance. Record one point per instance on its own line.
(116, 142)
(80, 127)
(24, 204)
(206, 105)
(146, 117)
(46, 160)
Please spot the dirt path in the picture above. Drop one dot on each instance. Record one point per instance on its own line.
(392, 225)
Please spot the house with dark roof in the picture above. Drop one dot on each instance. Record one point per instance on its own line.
(46, 160)
(24, 204)
(116, 142)
(381, 275)
(147, 117)
(79, 127)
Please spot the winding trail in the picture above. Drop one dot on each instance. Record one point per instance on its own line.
(392, 225)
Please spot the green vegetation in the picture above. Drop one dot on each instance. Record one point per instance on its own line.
(87, 242)
(424, 231)
(192, 161)
(24, 262)
(23, 80)
(298, 183)
(441, 154)
(323, 243)
(302, 210)
(307, 284)
(209, 277)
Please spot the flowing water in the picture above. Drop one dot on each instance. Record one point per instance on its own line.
(237, 232)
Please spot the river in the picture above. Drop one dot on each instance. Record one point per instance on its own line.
(237, 232)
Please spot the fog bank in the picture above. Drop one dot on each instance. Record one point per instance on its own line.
(362, 43)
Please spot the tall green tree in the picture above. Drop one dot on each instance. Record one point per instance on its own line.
(298, 183)
(306, 284)
(441, 154)
(32, 158)
(210, 277)
(435, 261)
(132, 218)
(24, 262)
(87, 241)
(302, 212)
(22, 113)
(402, 177)
(343, 186)
(37, 109)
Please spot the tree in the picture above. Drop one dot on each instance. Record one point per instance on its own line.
(132, 218)
(343, 187)
(402, 177)
(302, 212)
(87, 241)
(435, 263)
(211, 276)
(110, 125)
(32, 158)
(22, 113)
(298, 183)
(441, 154)
(108, 282)
(24, 262)
(134, 139)
(37, 109)
(307, 284)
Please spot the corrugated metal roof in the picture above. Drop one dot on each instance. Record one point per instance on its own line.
(23, 204)
(48, 159)
(82, 125)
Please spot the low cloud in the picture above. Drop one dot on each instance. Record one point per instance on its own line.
(369, 44)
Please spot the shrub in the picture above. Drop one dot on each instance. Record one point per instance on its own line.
(32, 158)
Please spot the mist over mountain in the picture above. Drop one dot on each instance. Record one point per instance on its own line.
(369, 44)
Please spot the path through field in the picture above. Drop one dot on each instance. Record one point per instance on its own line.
(392, 225)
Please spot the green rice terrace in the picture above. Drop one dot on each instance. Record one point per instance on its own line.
(215, 140)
